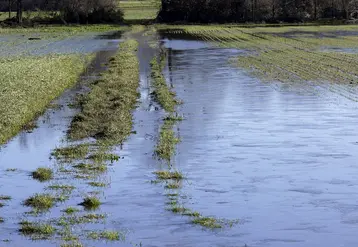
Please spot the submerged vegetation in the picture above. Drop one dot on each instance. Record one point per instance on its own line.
(72, 152)
(107, 235)
(36, 230)
(164, 175)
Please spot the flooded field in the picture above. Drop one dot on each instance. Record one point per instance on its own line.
(256, 163)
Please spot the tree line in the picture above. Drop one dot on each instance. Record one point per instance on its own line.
(256, 10)
(78, 11)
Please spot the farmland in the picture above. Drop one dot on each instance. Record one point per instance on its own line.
(148, 134)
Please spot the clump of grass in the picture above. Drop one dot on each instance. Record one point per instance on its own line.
(5, 198)
(2, 205)
(165, 175)
(63, 187)
(91, 167)
(2, 220)
(70, 210)
(162, 93)
(36, 230)
(40, 201)
(106, 111)
(107, 235)
(97, 184)
(73, 244)
(74, 220)
(91, 203)
(178, 209)
(172, 195)
(101, 157)
(192, 213)
(173, 185)
(166, 145)
(208, 222)
(173, 118)
(42, 174)
(73, 152)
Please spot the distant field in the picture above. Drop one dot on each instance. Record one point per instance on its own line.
(287, 54)
(145, 10)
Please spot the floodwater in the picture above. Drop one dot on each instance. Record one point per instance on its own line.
(280, 158)
(44, 44)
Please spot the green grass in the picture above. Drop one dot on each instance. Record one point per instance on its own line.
(36, 230)
(164, 175)
(207, 222)
(162, 94)
(273, 55)
(83, 167)
(42, 174)
(97, 184)
(64, 30)
(72, 152)
(76, 220)
(173, 185)
(166, 144)
(70, 210)
(29, 84)
(107, 110)
(40, 201)
(91, 203)
(63, 187)
(102, 156)
(107, 235)
(72, 244)
(140, 11)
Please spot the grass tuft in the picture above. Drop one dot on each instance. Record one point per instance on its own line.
(70, 210)
(107, 235)
(165, 175)
(40, 201)
(208, 222)
(42, 174)
(36, 230)
(63, 187)
(73, 152)
(97, 184)
(173, 185)
(162, 93)
(91, 203)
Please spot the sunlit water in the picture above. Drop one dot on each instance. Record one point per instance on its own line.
(280, 158)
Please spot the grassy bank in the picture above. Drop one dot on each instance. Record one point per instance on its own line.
(29, 84)
(288, 54)
(162, 94)
(106, 112)
(106, 115)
